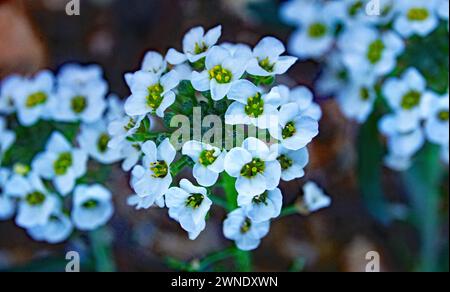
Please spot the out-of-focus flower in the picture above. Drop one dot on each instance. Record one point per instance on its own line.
(7, 138)
(357, 100)
(437, 122)
(61, 163)
(58, 228)
(33, 98)
(416, 17)
(315, 198)
(8, 88)
(92, 207)
(7, 203)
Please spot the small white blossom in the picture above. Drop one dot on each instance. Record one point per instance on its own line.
(94, 140)
(246, 233)
(268, 60)
(79, 76)
(254, 166)
(154, 178)
(315, 198)
(209, 161)
(196, 45)
(122, 128)
(92, 207)
(189, 205)
(36, 203)
(416, 17)
(154, 63)
(367, 52)
(131, 154)
(294, 131)
(408, 98)
(151, 94)
(263, 207)
(34, 97)
(251, 106)
(292, 163)
(357, 100)
(61, 163)
(58, 228)
(222, 70)
(316, 27)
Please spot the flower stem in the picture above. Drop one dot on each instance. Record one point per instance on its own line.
(289, 210)
(102, 250)
(243, 259)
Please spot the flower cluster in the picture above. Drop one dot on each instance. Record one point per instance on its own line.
(233, 85)
(361, 43)
(49, 193)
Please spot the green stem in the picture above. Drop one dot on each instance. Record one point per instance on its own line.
(242, 259)
(288, 211)
(102, 250)
(216, 257)
(178, 166)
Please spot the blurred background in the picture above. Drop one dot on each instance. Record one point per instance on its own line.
(372, 211)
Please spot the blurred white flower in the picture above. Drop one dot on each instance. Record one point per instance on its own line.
(437, 122)
(7, 138)
(8, 88)
(416, 17)
(61, 163)
(315, 198)
(357, 100)
(33, 98)
(92, 207)
(58, 228)
(7, 203)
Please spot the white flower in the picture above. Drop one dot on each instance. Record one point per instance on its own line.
(8, 88)
(94, 140)
(240, 51)
(79, 76)
(36, 203)
(131, 154)
(357, 100)
(267, 59)
(122, 128)
(151, 94)
(144, 203)
(304, 98)
(356, 12)
(368, 53)
(75, 103)
(416, 17)
(209, 161)
(58, 228)
(189, 205)
(33, 98)
(154, 63)
(263, 207)
(115, 108)
(317, 25)
(92, 207)
(7, 203)
(252, 106)
(7, 138)
(254, 166)
(315, 198)
(437, 123)
(295, 131)
(246, 233)
(222, 70)
(61, 163)
(196, 45)
(443, 9)
(334, 76)
(153, 179)
(408, 98)
(292, 163)
(401, 144)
